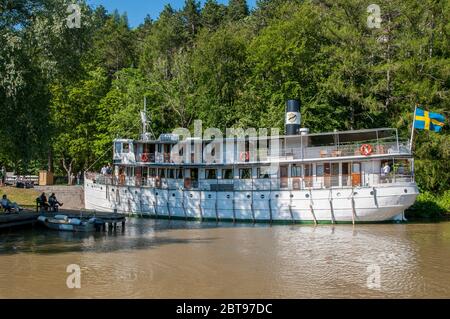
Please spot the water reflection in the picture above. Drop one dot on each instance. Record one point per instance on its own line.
(160, 258)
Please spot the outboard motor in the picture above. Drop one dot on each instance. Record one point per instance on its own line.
(292, 117)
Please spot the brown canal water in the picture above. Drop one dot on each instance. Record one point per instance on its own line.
(177, 259)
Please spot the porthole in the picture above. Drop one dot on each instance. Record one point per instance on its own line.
(228, 196)
(156, 194)
(209, 195)
(291, 196)
(112, 189)
(338, 194)
(307, 195)
(173, 194)
(101, 188)
(355, 193)
(371, 193)
(276, 196)
(248, 196)
(405, 190)
(135, 192)
(262, 196)
(190, 195)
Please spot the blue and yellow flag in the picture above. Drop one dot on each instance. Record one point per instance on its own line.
(425, 120)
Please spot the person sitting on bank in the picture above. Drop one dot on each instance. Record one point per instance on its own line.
(42, 200)
(10, 206)
(53, 202)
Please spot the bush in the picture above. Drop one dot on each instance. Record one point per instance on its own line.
(429, 205)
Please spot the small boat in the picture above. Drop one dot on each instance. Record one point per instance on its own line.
(64, 223)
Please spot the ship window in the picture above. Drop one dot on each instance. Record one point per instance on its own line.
(308, 170)
(125, 147)
(263, 172)
(227, 173)
(211, 174)
(283, 171)
(296, 171)
(117, 147)
(171, 173)
(162, 172)
(245, 173)
(194, 174)
(319, 170)
(152, 172)
(180, 173)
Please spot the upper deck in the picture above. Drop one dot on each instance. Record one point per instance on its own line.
(170, 150)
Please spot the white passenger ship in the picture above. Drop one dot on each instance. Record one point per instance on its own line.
(331, 177)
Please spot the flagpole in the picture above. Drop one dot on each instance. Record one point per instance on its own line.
(412, 130)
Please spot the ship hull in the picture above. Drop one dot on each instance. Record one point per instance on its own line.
(336, 205)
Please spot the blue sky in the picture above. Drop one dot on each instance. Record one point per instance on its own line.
(137, 10)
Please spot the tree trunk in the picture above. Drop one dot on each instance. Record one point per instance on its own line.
(68, 169)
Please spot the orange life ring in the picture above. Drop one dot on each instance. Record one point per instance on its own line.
(366, 149)
(245, 156)
(144, 157)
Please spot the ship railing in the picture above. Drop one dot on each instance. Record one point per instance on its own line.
(327, 151)
(260, 184)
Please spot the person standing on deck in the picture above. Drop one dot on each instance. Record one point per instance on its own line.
(385, 171)
(108, 169)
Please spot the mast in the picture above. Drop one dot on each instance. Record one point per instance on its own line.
(144, 135)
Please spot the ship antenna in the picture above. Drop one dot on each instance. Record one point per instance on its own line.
(145, 135)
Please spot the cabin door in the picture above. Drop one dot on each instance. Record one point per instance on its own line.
(334, 174)
(356, 174)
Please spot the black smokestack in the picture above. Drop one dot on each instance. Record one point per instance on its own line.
(292, 117)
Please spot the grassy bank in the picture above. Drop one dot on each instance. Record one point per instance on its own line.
(429, 205)
(23, 197)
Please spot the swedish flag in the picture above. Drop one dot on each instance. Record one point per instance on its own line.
(425, 120)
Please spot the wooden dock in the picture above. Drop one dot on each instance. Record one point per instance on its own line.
(15, 220)
(26, 217)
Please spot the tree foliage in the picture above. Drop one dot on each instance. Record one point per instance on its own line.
(67, 92)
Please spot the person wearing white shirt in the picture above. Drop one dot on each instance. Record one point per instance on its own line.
(385, 171)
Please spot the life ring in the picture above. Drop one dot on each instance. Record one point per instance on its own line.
(144, 157)
(245, 156)
(366, 149)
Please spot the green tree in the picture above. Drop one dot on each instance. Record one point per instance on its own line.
(237, 10)
(213, 14)
(191, 17)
